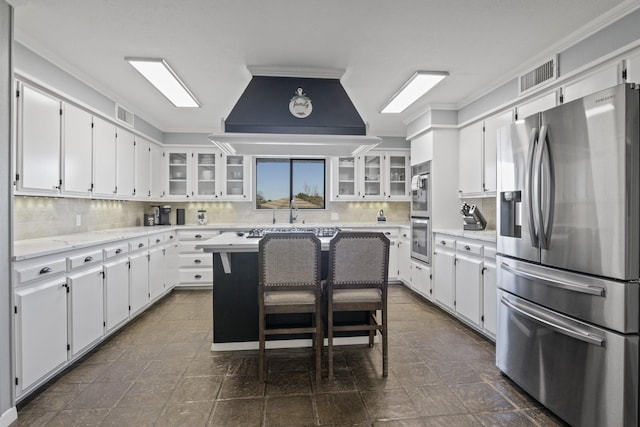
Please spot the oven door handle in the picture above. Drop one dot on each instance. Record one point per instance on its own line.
(562, 284)
(562, 326)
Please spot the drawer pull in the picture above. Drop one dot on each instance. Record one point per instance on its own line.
(157, 240)
(198, 276)
(141, 245)
(88, 259)
(171, 237)
(118, 251)
(467, 247)
(443, 243)
(198, 236)
(197, 261)
(388, 233)
(45, 270)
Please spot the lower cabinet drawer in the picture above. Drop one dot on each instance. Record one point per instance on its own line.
(196, 260)
(192, 275)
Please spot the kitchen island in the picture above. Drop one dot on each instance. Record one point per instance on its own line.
(235, 298)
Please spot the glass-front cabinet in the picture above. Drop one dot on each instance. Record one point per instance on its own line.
(345, 183)
(372, 173)
(178, 174)
(236, 177)
(376, 175)
(398, 174)
(207, 175)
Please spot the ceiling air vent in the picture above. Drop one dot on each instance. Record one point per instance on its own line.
(538, 75)
(123, 115)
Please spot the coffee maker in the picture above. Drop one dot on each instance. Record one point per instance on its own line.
(165, 212)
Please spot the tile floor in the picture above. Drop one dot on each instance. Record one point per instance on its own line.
(159, 371)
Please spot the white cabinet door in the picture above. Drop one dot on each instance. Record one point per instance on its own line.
(104, 158)
(397, 174)
(602, 79)
(537, 105)
(470, 173)
(345, 178)
(86, 308)
(420, 279)
(468, 288)
(76, 151)
(235, 178)
(444, 278)
(633, 68)
(404, 260)
(372, 171)
(489, 298)
(178, 172)
(156, 272)
(138, 281)
(491, 126)
(157, 172)
(41, 330)
(393, 260)
(116, 284)
(143, 168)
(126, 163)
(172, 263)
(38, 142)
(207, 175)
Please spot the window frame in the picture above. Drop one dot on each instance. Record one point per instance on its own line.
(291, 161)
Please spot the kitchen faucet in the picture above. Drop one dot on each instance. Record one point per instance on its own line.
(293, 205)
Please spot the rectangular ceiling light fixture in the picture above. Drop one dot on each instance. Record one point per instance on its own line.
(160, 75)
(419, 84)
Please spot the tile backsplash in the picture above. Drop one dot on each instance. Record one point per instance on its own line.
(36, 217)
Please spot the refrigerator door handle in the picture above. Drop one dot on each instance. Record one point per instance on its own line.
(544, 232)
(548, 320)
(556, 283)
(529, 184)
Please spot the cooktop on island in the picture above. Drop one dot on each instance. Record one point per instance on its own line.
(318, 231)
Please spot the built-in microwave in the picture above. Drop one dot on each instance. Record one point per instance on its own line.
(421, 190)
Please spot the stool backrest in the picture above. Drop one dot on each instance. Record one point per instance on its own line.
(359, 260)
(289, 260)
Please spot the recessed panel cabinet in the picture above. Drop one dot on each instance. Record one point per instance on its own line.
(104, 158)
(39, 133)
(77, 135)
(125, 164)
(143, 168)
(86, 308)
(41, 333)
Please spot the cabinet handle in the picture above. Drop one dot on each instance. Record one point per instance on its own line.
(197, 261)
(467, 247)
(198, 236)
(443, 243)
(388, 233)
(197, 276)
(45, 270)
(141, 245)
(118, 251)
(88, 259)
(157, 240)
(171, 237)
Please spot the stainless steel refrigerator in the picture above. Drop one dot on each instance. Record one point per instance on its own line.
(569, 257)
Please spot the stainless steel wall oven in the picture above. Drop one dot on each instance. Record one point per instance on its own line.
(421, 239)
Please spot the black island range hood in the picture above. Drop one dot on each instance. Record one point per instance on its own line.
(294, 116)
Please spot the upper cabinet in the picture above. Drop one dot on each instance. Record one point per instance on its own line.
(143, 168)
(104, 158)
(603, 78)
(373, 176)
(477, 156)
(125, 164)
(207, 175)
(77, 135)
(39, 133)
(157, 166)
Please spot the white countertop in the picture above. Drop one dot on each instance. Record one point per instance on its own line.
(32, 248)
(484, 235)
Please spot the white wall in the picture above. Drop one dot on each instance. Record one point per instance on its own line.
(7, 405)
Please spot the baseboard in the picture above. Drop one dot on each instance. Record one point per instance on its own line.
(8, 417)
(253, 345)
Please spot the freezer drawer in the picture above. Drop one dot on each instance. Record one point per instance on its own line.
(608, 303)
(586, 375)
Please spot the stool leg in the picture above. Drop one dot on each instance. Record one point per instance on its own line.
(261, 348)
(330, 339)
(372, 332)
(318, 345)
